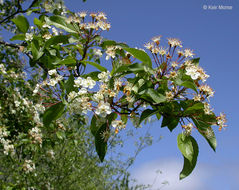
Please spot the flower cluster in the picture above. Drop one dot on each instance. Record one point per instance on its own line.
(188, 128)
(7, 144)
(98, 21)
(118, 125)
(28, 166)
(221, 120)
(35, 135)
(55, 78)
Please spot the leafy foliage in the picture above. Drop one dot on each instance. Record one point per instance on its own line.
(61, 46)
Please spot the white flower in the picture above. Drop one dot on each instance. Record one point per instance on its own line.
(47, 36)
(103, 109)
(36, 89)
(188, 53)
(162, 51)
(82, 14)
(35, 134)
(117, 84)
(156, 39)
(97, 52)
(207, 108)
(52, 82)
(174, 42)
(55, 31)
(192, 71)
(52, 72)
(40, 108)
(82, 91)
(104, 76)
(98, 97)
(3, 69)
(119, 124)
(78, 82)
(188, 128)
(89, 83)
(149, 46)
(17, 103)
(28, 36)
(51, 154)
(102, 16)
(71, 96)
(28, 166)
(207, 90)
(169, 95)
(46, 26)
(221, 120)
(110, 52)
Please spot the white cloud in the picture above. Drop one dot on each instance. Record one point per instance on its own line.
(170, 168)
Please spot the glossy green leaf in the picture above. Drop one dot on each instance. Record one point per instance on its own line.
(140, 55)
(107, 43)
(170, 121)
(195, 107)
(96, 65)
(22, 23)
(60, 135)
(35, 49)
(53, 113)
(189, 149)
(147, 113)
(93, 75)
(69, 84)
(189, 84)
(209, 135)
(93, 126)
(38, 23)
(56, 40)
(196, 61)
(157, 97)
(70, 61)
(18, 37)
(60, 22)
(101, 142)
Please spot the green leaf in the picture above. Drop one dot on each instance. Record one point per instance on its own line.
(140, 55)
(56, 40)
(93, 75)
(210, 137)
(21, 23)
(35, 49)
(101, 68)
(195, 107)
(93, 126)
(111, 117)
(157, 97)
(38, 23)
(107, 43)
(101, 142)
(53, 113)
(69, 85)
(147, 113)
(60, 134)
(70, 61)
(18, 37)
(170, 121)
(60, 22)
(189, 149)
(196, 61)
(189, 84)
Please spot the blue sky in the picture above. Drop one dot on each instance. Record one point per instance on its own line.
(213, 35)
